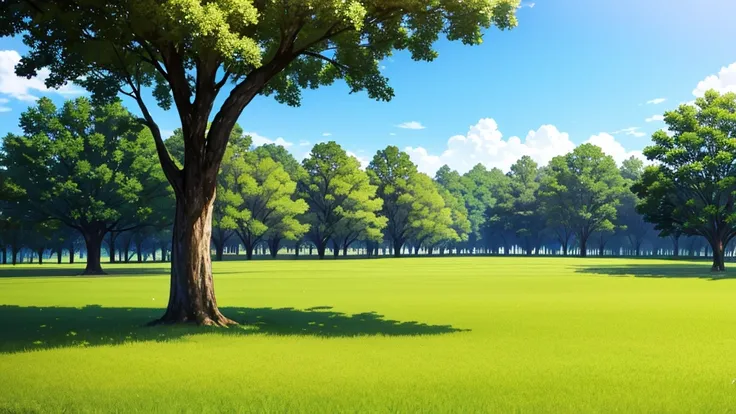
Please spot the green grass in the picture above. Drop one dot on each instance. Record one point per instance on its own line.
(411, 335)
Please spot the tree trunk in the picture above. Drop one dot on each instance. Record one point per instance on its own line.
(153, 254)
(297, 248)
(311, 247)
(5, 255)
(564, 249)
(320, 250)
(719, 262)
(219, 248)
(111, 246)
(345, 250)
(638, 250)
(71, 253)
(40, 257)
(249, 251)
(397, 248)
(58, 255)
(139, 252)
(676, 246)
(192, 291)
(583, 247)
(601, 250)
(93, 244)
(335, 249)
(273, 246)
(14, 252)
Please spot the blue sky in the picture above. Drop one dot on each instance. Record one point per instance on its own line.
(573, 71)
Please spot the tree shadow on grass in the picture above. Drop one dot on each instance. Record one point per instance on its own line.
(73, 271)
(670, 271)
(36, 328)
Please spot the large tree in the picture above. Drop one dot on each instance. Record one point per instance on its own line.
(189, 51)
(691, 188)
(586, 187)
(338, 193)
(91, 167)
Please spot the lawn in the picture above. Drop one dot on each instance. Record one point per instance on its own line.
(390, 335)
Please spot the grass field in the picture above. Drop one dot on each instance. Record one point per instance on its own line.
(410, 335)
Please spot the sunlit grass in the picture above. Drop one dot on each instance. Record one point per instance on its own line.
(431, 335)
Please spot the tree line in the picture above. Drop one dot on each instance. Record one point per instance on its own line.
(85, 176)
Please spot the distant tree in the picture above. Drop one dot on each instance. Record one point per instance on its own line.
(692, 185)
(522, 206)
(632, 224)
(90, 167)
(392, 172)
(582, 189)
(262, 199)
(336, 191)
(430, 219)
(482, 187)
(460, 224)
(188, 51)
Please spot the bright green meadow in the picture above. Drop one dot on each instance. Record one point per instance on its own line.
(385, 335)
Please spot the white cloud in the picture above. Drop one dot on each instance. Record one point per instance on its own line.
(484, 144)
(3, 108)
(656, 101)
(527, 4)
(655, 118)
(633, 131)
(326, 134)
(610, 146)
(392, 134)
(259, 140)
(304, 143)
(363, 160)
(724, 81)
(411, 125)
(23, 89)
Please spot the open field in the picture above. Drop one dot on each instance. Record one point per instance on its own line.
(398, 335)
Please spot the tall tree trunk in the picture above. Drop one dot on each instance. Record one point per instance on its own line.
(638, 250)
(59, 252)
(192, 291)
(139, 251)
(345, 250)
(297, 248)
(249, 247)
(126, 251)
(273, 246)
(311, 247)
(321, 247)
(397, 247)
(719, 262)
(93, 243)
(583, 247)
(335, 249)
(676, 246)
(71, 253)
(564, 249)
(219, 249)
(111, 245)
(40, 256)
(14, 252)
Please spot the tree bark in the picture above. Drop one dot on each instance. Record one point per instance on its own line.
(219, 248)
(583, 247)
(40, 257)
(676, 246)
(71, 253)
(249, 251)
(58, 255)
(320, 250)
(14, 252)
(139, 252)
(397, 248)
(192, 291)
(93, 244)
(111, 246)
(274, 244)
(719, 262)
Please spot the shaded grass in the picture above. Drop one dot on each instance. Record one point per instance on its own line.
(37, 328)
(540, 335)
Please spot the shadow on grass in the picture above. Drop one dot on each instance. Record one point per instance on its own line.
(670, 270)
(60, 270)
(30, 328)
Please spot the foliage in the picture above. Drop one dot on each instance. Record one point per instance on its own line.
(583, 189)
(691, 186)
